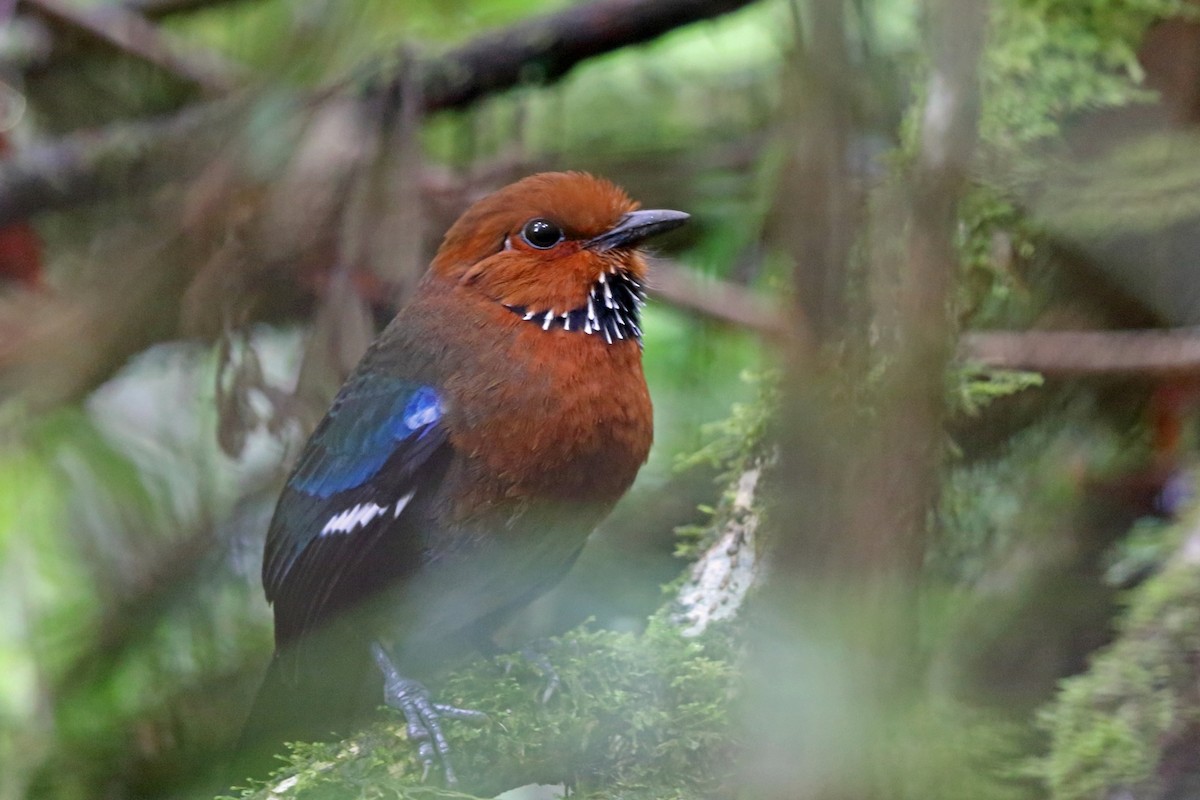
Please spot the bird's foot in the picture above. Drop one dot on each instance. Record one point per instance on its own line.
(423, 716)
(535, 656)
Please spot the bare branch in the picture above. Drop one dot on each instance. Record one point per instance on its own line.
(544, 48)
(1159, 353)
(719, 301)
(913, 300)
(725, 573)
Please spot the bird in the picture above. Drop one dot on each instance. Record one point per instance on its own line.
(497, 419)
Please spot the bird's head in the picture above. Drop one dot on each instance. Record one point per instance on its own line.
(559, 249)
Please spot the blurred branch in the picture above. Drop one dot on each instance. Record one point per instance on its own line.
(84, 166)
(544, 48)
(916, 307)
(156, 9)
(719, 301)
(66, 172)
(131, 33)
(822, 98)
(1116, 353)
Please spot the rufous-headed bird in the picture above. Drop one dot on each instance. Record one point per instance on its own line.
(493, 424)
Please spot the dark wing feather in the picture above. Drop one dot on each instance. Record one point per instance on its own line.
(360, 484)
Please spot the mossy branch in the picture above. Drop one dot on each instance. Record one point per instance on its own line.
(638, 716)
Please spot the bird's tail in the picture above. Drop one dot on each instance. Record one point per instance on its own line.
(317, 703)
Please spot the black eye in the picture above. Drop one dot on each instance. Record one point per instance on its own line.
(541, 233)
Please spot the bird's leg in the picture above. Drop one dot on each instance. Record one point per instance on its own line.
(423, 715)
(535, 656)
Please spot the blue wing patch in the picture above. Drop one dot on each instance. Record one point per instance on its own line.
(381, 444)
(424, 408)
(369, 418)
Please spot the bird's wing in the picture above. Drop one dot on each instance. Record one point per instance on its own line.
(381, 446)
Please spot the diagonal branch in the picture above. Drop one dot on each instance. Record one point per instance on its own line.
(130, 32)
(543, 49)
(83, 166)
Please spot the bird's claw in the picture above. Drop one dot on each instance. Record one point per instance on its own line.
(537, 658)
(422, 715)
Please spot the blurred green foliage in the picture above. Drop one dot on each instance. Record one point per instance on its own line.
(1023, 501)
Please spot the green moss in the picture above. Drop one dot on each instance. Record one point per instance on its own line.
(637, 716)
(1111, 727)
(1050, 59)
(997, 246)
(733, 441)
(977, 386)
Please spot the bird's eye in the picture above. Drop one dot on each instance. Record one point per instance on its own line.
(541, 233)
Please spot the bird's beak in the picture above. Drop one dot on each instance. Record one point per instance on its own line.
(635, 227)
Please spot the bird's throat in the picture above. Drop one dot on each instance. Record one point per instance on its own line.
(613, 310)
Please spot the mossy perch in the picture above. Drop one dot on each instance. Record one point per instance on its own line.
(637, 716)
(643, 716)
